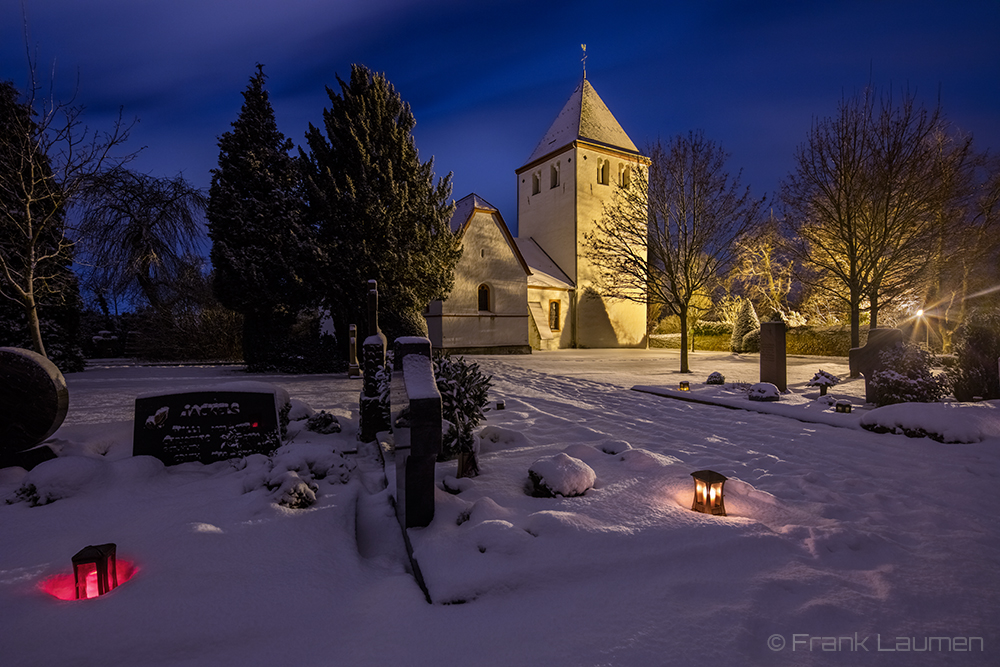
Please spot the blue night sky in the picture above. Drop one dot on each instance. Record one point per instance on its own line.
(485, 79)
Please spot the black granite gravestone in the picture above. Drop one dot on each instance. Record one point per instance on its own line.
(773, 364)
(33, 403)
(205, 426)
(866, 360)
(416, 430)
(372, 420)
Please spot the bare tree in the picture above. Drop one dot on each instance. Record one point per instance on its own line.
(47, 159)
(138, 232)
(860, 203)
(675, 231)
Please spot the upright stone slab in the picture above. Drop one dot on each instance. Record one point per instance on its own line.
(867, 359)
(773, 364)
(33, 403)
(372, 420)
(416, 430)
(353, 369)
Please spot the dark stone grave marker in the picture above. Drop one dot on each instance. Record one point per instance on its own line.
(866, 360)
(33, 403)
(416, 430)
(773, 363)
(205, 426)
(371, 419)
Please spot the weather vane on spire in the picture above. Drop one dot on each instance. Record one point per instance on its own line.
(584, 60)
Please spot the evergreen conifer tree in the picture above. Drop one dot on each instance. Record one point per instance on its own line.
(263, 251)
(746, 322)
(378, 211)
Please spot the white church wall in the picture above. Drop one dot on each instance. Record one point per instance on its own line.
(548, 216)
(602, 321)
(487, 259)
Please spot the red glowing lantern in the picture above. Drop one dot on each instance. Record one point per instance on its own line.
(95, 571)
(708, 492)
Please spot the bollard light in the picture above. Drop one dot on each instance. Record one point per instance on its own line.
(95, 571)
(684, 386)
(708, 492)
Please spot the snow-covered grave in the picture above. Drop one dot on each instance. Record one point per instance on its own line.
(881, 542)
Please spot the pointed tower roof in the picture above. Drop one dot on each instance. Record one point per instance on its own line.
(583, 117)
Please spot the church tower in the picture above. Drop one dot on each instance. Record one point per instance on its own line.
(561, 190)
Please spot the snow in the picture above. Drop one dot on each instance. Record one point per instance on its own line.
(562, 475)
(945, 422)
(419, 376)
(832, 532)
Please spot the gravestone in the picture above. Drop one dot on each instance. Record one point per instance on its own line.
(206, 426)
(773, 364)
(353, 369)
(33, 403)
(416, 430)
(866, 360)
(372, 420)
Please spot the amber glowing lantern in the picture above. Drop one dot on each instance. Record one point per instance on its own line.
(95, 571)
(708, 492)
(684, 386)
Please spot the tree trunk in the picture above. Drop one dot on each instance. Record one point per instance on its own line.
(873, 303)
(684, 336)
(34, 326)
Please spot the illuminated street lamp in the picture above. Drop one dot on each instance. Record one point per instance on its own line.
(927, 328)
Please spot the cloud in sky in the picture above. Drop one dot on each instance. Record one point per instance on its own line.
(485, 79)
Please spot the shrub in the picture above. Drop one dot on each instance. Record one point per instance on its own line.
(977, 349)
(464, 394)
(906, 378)
(751, 342)
(746, 322)
(706, 328)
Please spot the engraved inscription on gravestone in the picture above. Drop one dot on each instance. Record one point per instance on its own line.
(205, 426)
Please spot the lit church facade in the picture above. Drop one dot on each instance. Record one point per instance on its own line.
(539, 289)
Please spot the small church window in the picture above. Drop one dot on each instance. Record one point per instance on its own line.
(624, 175)
(536, 182)
(554, 175)
(484, 297)
(554, 315)
(603, 171)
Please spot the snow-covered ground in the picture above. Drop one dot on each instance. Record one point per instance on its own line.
(836, 538)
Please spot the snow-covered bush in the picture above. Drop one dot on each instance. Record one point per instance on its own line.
(977, 349)
(764, 391)
(823, 380)
(751, 342)
(708, 328)
(464, 395)
(716, 378)
(906, 377)
(560, 475)
(746, 322)
(323, 422)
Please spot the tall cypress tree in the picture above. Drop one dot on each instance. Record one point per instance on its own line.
(377, 208)
(262, 249)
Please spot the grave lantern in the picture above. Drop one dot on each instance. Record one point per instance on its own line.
(842, 406)
(708, 492)
(95, 571)
(684, 386)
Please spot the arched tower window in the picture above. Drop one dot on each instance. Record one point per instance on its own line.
(624, 175)
(554, 175)
(536, 182)
(484, 297)
(603, 171)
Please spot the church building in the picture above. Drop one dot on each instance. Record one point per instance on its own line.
(540, 288)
